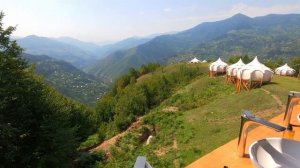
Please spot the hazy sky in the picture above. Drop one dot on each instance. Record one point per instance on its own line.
(102, 20)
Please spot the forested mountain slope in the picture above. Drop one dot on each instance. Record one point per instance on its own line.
(67, 79)
(267, 36)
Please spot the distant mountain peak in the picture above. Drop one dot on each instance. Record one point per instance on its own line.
(32, 36)
(240, 16)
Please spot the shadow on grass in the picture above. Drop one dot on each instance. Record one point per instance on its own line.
(271, 83)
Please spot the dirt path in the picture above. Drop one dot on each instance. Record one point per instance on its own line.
(112, 141)
(276, 98)
(176, 161)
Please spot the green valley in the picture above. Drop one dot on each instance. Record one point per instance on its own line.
(67, 79)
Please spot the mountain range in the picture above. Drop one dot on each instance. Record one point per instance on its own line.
(36, 45)
(104, 50)
(78, 53)
(266, 36)
(67, 79)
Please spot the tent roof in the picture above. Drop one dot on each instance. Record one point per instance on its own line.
(219, 62)
(238, 64)
(256, 65)
(285, 67)
(195, 59)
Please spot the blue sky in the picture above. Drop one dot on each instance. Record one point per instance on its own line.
(105, 20)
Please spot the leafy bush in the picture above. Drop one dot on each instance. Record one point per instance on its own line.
(295, 63)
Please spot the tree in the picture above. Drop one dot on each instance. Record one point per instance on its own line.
(134, 73)
(295, 63)
(246, 59)
(133, 100)
(105, 109)
(271, 64)
(38, 126)
(234, 59)
(143, 70)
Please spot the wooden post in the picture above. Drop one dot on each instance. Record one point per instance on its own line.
(238, 85)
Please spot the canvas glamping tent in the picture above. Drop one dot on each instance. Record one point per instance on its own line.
(231, 71)
(217, 67)
(253, 74)
(195, 60)
(285, 70)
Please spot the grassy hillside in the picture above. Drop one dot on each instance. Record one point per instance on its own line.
(198, 117)
(267, 36)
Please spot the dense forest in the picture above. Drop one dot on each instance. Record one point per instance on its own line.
(39, 127)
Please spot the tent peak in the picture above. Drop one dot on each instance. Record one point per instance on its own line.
(240, 61)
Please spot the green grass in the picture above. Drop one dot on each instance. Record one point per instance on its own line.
(208, 117)
(217, 122)
(91, 140)
(281, 85)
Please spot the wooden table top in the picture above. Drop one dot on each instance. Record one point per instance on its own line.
(226, 155)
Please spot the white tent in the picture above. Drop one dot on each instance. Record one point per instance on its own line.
(232, 69)
(254, 72)
(204, 61)
(217, 67)
(285, 70)
(195, 60)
